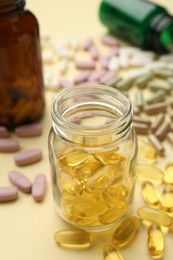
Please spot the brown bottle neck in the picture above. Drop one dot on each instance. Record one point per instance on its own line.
(7, 6)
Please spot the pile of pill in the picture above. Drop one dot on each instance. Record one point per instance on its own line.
(148, 81)
(22, 158)
(91, 193)
(145, 77)
(156, 216)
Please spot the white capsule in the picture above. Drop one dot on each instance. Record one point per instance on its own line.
(140, 60)
(47, 57)
(155, 65)
(113, 64)
(123, 61)
(62, 66)
(129, 51)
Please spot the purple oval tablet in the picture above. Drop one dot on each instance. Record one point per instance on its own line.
(3, 132)
(39, 187)
(9, 145)
(29, 130)
(20, 181)
(8, 193)
(28, 157)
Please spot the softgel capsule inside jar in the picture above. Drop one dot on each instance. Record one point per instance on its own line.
(92, 151)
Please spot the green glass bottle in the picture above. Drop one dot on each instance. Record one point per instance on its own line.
(141, 23)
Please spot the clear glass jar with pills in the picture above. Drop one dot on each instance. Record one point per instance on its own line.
(92, 150)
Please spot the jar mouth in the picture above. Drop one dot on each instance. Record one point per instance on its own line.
(90, 111)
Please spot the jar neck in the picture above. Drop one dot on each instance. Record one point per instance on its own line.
(7, 6)
(92, 116)
(157, 26)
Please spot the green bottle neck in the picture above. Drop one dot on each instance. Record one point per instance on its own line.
(160, 36)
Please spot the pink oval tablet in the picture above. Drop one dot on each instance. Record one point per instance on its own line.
(9, 145)
(28, 130)
(39, 187)
(87, 44)
(8, 193)
(3, 132)
(28, 157)
(65, 84)
(94, 52)
(20, 181)
(82, 77)
(85, 65)
(108, 40)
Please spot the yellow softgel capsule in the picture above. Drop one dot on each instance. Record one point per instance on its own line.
(154, 216)
(73, 159)
(155, 241)
(102, 178)
(147, 151)
(149, 173)
(111, 253)
(150, 194)
(69, 185)
(73, 238)
(126, 232)
(168, 177)
(110, 157)
(113, 214)
(167, 198)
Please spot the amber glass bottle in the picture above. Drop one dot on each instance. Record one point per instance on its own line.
(21, 80)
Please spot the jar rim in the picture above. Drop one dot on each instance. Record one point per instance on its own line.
(120, 127)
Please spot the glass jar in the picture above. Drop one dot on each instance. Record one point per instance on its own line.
(92, 150)
(21, 79)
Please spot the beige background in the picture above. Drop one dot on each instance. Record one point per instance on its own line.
(26, 227)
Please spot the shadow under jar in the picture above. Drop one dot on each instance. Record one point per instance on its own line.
(92, 151)
(21, 79)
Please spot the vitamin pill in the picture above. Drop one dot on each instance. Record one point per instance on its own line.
(3, 132)
(139, 119)
(104, 62)
(110, 253)
(157, 122)
(113, 82)
(29, 130)
(8, 193)
(155, 86)
(155, 241)
(95, 76)
(66, 84)
(136, 110)
(94, 52)
(73, 239)
(140, 60)
(124, 84)
(142, 81)
(82, 77)
(162, 73)
(85, 65)
(150, 195)
(39, 187)
(126, 232)
(113, 214)
(162, 130)
(9, 145)
(87, 44)
(114, 51)
(167, 198)
(157, 144)
(108, 40)
(166, 57)
(149, 173)
(113, 64)
(155, 65)
(156, 108)
(139, 100)
(157, 97)
(154, 216)
(147, 151)
(74, 159)
(106, 77)
(20, 181)
(62, 66)
(141, 128)
(28, 157)
(168, 176)
(123, 61)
